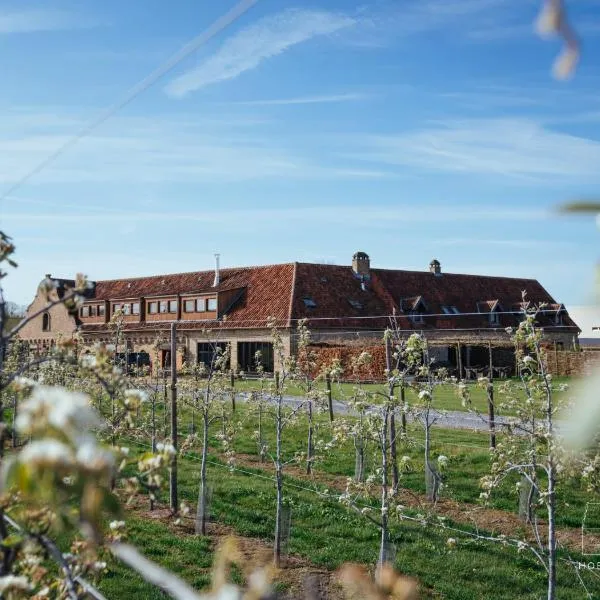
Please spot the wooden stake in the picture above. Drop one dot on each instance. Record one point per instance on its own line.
(329, 396)
(173, 472)
(490, 395)
(393, 455)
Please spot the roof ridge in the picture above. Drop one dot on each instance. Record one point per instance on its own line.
(445, 274)
(221, 269)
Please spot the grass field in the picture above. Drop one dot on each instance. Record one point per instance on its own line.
(326, 534)
(445, 395)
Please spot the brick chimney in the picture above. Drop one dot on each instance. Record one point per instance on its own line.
(361, 265)
(435, 267)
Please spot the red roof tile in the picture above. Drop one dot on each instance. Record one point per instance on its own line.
(331, 296)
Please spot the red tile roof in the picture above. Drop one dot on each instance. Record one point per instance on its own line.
(333, 296)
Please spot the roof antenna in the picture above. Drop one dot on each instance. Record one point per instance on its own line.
(217, 274)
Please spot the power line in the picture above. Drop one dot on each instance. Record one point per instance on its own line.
(219, 25)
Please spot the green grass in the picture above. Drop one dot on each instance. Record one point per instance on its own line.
(468, 451)
(445, 395)
(327, 534)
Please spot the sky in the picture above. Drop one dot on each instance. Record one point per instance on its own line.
(304, 131)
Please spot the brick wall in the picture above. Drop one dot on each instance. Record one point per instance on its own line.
(61, 323)
(572, 362)
(374, 371)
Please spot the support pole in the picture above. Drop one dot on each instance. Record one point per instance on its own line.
(490, 395)
(459, 360)
(393, 454)
(173, 473)
(232, 383)
(329, 396)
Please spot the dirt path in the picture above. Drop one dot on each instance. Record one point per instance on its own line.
(296, 575)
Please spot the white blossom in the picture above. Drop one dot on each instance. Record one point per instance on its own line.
(66, 411)
(135, 395)
(94, 457)
(14, 583)
(47, 453)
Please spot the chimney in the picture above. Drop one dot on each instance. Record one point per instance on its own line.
(48, 276)
(217, 274)
(435, 267)
(361, 265)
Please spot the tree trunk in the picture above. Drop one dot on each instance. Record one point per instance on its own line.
(309, 450)
(551, 530)
(201, 510)
(384, 491)
(431, 480)
(403, 405)
(14, 422)
(261, 442)
(279, 484)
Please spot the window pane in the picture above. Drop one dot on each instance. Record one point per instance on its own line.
(116, 307)
(164, 306)
(85, 311)
(153, 308)
(201, 305)
(135, 308)
(212, 304)
(126, 309)
(189, 306)
(101, 310)
(172, 306)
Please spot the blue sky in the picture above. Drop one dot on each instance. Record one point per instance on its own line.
(305, 131)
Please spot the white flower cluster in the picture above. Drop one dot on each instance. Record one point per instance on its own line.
(55, 407)
(65, 420)
(13, 583)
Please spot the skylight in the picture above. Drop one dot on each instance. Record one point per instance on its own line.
(450, 310)
(355, 304)
(309, 302)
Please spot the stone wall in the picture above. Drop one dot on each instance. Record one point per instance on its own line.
(573, 362)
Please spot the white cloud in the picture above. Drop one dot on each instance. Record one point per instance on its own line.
(335, 98)
(32, 20)
(391, 21)
(520, 148)
(265, 39)
(162, 149)
(351, 215)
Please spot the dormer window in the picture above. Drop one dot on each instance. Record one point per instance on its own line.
(309, 302)
(416, 317)
(494, 318)
(450, 310)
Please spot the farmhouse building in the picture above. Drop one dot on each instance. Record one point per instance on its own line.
(459, 314)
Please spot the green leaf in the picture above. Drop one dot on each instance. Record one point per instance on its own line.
(582, 207)
(12, 540)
